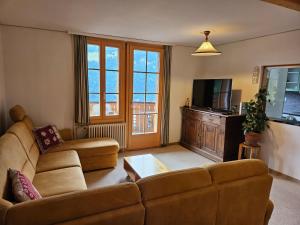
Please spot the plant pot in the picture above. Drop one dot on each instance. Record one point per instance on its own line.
(252, 138)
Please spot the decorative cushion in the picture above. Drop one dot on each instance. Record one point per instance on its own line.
(57, 134)
(47, 137)
(23, 189)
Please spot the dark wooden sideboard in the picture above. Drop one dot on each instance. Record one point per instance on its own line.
(212, 134)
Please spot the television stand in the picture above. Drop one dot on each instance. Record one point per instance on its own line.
(212, 134)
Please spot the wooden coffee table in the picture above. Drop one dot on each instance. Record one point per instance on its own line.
(141, 166)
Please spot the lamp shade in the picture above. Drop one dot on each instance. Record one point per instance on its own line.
(206, 48)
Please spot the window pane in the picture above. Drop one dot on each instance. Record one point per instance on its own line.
(112, 104)
(139, 80)
(138, 123)
(94, 104)
(153, 62)
(94, 81)
(112, 82)
(93, 56)
(139, 60)
(111, 58)
(138, 103)
(151, 103)
(152, 83)
(151, 123)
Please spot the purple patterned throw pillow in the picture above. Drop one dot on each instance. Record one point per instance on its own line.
(47, 137)
(22, 187)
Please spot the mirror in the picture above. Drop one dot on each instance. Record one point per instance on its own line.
(283, 85)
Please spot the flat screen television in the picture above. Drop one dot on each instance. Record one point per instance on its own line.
(212, 94)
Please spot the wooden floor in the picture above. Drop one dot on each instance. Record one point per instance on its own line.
(285, 192)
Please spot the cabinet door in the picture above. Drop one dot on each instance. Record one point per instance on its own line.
(209, 132)
(191, 131)
(220, 140)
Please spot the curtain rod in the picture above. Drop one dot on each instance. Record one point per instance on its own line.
(92, 35)
(34, 28)
(119, 38)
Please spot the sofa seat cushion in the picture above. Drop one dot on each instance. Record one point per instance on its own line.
(56, 182)
(57, 160)
(90, 146)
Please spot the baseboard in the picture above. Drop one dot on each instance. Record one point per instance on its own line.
(160, 146)
(274, 172)
(173, 143)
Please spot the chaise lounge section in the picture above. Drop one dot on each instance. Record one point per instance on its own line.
(94, 153)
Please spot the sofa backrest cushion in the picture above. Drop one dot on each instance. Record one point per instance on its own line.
(173, 182)
(25, 136)
(12, 155)
(118, 205)
(180, 197)
(243, 189)
(238, 169)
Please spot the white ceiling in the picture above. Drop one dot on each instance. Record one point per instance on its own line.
(169, 21)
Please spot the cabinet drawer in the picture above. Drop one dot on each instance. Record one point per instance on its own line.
(212, 119)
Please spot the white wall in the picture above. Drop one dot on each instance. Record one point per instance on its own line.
(39, 74)
(281, 145)
(239, 59)
(184, 69)
(281, 148)
(2, 89)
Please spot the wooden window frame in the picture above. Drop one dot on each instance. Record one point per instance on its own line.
(122, 81)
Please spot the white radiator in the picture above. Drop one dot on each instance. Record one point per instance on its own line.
(116, 131)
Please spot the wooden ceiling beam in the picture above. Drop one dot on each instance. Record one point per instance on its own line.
(291, 4)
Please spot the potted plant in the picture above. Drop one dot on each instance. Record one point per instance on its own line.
(256, 118)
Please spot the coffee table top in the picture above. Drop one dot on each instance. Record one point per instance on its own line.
(144, 165)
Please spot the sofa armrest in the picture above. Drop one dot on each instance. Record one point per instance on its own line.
(66, 134)
(73, 206)
(269, 211)
(4, 207)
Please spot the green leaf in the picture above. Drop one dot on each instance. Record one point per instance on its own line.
(256, 118)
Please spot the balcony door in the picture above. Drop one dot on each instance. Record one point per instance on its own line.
(144, 96)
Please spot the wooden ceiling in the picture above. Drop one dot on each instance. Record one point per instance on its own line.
(291, 4)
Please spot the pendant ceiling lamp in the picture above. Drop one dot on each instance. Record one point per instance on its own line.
(206, 48)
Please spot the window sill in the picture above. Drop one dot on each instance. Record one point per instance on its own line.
(97, 120)
(289, 122)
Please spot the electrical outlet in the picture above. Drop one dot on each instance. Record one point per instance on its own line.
(255, 75)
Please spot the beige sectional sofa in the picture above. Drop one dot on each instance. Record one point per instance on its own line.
(232, 193)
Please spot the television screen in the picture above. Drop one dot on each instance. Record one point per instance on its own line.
(214, 94)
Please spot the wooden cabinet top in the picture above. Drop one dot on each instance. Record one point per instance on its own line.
(210, 112)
